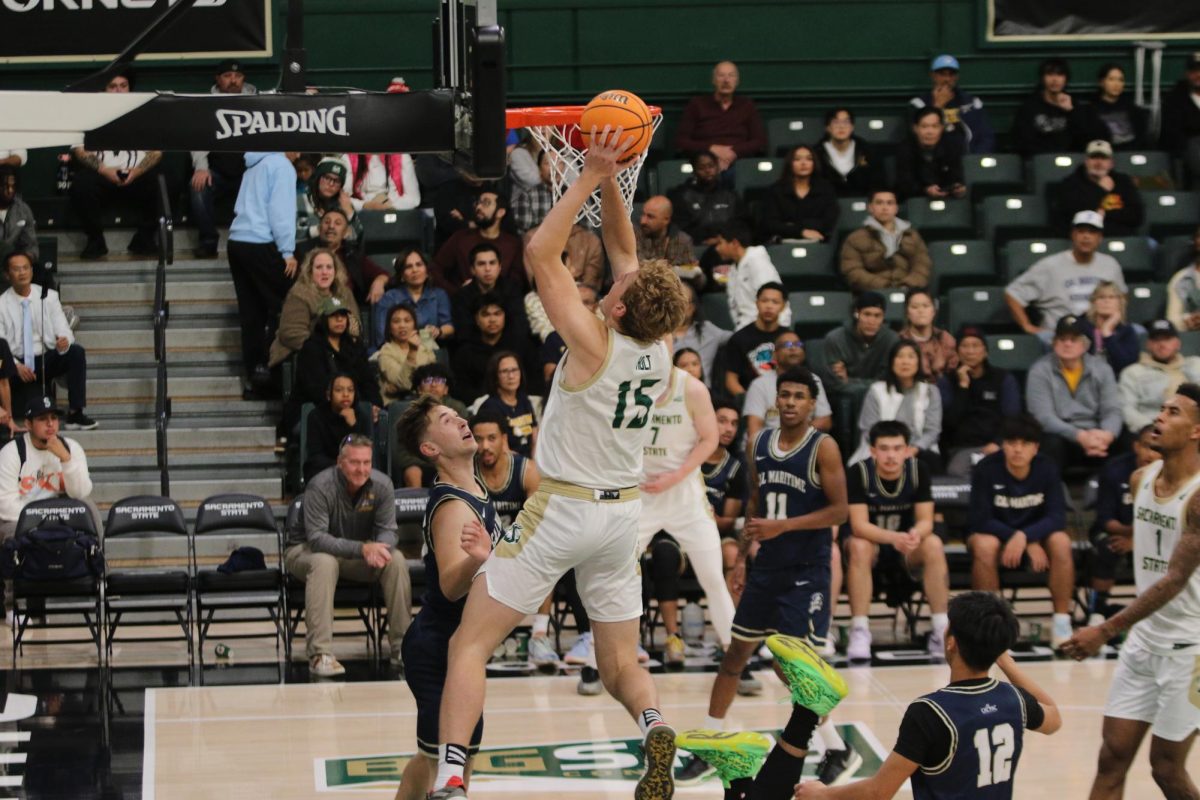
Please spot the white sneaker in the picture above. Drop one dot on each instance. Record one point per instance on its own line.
(937, 644)
(581, 651)
(325, 666)
(829, 650)
(541, 651)
(1096, 619)
(1060, 631)
(765, 654)
(859, 648)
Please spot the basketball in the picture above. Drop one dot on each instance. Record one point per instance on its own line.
(618, 108)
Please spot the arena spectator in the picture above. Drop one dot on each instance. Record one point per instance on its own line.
(688, 360)
(104, 178)
(347, 529)
(330, 350)
(1017, 511)
(453, 260)
(327, 192)
(702, 204)
(1062, 283)
(436, 380)
(656, 238)
(1074, 397)
(13, 158)
(700, 334)
(1107, 327)
(751, 269)
(1183, 291)
(847, 162)
(726, 124)
(857, 352)
(43, 344)
(801, 206)
(262, 244)
(938, 353)
(929, 163)
(414, 286)
(508, 397)
(750, 351)
(1048, 121)
(887, 252)
(41, 465)
(488, 335)
(487, 278)
(1181, 118)
(1096, 186)
(322, 276)
(906, 395)
(584, 255)
(1156, 375)
(217, 177)
(405, 347)
(18, 227)
(1111, 113)
(759, 407)
(552, 350)
(976, 398)
(9, 424)
(450, 192)
(330, 423)
(530, 204)
(524, 164)
(965, 118)
(368, 280)
(382, 182)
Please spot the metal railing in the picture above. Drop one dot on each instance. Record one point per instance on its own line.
(162, 403)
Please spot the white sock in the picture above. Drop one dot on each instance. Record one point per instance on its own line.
(452, 761)
(541, 624)
(648, 719)
(714, 724)
(940, 622)
(830, 738)
(1063, 618)
(860, 623)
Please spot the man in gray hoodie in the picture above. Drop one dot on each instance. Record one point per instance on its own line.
(856, 353)
(1073, 396)
(1156, 375)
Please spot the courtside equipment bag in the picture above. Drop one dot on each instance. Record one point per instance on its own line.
(51, 552)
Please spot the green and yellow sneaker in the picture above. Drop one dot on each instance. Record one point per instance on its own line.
(813, 683)
(733, 755)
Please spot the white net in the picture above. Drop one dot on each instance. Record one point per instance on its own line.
(566, 162)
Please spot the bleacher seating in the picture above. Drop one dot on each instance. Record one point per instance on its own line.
(1011, 216)
(1171, 212)
(671, 173)
(993, 173)
(1142, 164)
(784, 133)
(391, 231)
(983, 306)
(1021, 254)
(1014, 352)
(1147, 301)
(808, 265)
(1173, 254)
(962, 262)
(881, 129)
(853, 210)
(1047, 169)
(755, 173)
(1134, 253)
(940, 218)
(816, 313)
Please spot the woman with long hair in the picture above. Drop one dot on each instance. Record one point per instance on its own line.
(505, 380)
(322, 275)
(404, 349)
(331, 422)
(939, 354)
(1108, 330)
(1112, 114)
(332, 349)
(688, 360)
(906, 395)
(802, 205)
(697, 333)
(413, 285)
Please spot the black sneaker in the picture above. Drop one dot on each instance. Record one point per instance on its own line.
(694, 771)
(79, 421)
(838, 766)
(589, 682)
(143, 245)
(206, 251)
(95, 248)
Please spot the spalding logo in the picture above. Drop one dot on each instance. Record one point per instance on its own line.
(324, 121)
(613, 98)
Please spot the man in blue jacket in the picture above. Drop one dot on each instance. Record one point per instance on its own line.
(262, 245)
(965, 117)
(1018, 513)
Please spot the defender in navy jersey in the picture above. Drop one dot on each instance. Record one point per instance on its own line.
(964, 741)
(724, 474)
(510, 477)
(460, 527)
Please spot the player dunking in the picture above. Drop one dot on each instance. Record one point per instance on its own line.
(585, 512)
(460, 526)
(1156, 686)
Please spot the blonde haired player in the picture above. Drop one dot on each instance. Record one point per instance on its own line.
(1156, 686)
(585, 512)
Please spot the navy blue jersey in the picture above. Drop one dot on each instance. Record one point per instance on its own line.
(449, 613)
(967, 738)
(509, 498)
(1001, 504)
(789, 485)
(1114, 501)
(724, 480)
(890, 504)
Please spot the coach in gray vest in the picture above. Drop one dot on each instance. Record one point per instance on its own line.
(347, 529)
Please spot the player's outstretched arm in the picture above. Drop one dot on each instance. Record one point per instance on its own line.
(1017, 677)
(883, 784)
(617, 229)
(456, 569)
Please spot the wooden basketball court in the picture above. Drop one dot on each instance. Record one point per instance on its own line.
(544, 741)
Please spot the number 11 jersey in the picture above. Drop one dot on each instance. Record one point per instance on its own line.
(789, 485)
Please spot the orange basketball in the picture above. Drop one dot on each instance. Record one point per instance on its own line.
(618, 108)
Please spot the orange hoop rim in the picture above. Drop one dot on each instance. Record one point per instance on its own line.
(540, 116)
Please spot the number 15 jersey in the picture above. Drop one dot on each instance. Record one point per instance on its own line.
(592, 434)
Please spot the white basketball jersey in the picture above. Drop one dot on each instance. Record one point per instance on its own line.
(1157, 525)
(593, 434)
(672, 432)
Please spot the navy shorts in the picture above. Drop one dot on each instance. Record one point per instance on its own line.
(424, 649)
(792, 601)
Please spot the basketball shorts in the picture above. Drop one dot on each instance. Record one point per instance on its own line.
(563, 527)
(791, 600)
(424, 650)
(682, 511)
(1163, 690)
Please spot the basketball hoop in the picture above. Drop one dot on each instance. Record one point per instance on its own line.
(556, 130)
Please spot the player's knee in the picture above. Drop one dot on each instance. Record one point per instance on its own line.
(1114, 759)
(984, 547)
(322, 566)
(861, 552)
(932, 548)
(1058, 545)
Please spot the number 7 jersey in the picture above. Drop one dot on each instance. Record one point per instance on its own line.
(592, 434)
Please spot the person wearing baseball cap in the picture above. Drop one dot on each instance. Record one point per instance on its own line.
(1062, 283)
(1095, 186)
(965, 118)
(331, 349)
(40, 464)
(1156, 375)
(857, 352)
(976, 397)
(1181, 117)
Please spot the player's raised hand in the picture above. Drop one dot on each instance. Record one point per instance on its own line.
(475, 541)
(1085, 642)
(606, 151)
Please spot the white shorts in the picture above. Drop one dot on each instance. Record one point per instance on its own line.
(1163, 690)
(682, 511)
(559, 530)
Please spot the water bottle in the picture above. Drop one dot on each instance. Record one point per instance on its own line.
(693, 624)
(62, 183)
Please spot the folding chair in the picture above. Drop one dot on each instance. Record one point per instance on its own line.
(883, 129)
(1011, 216)
(983, 306)
(1051, 168)
(392, 231)
(238, 520)
(807, 265)
(1147, 302)
(994, 173)
(1021, 254)
(1144, 164)
(852, 212)
(1169, 213)
(962, 262)
(816, 313)
(410, 532)
(1014, 352)
(755, 173)
(1134, 253)
(940, 218)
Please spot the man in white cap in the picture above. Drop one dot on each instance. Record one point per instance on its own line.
(964, 114)
(1062, 283)
(1096, 186)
